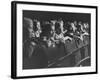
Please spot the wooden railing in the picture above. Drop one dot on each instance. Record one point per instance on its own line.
(72, 55)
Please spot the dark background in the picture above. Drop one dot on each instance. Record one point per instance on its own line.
(48, 15)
